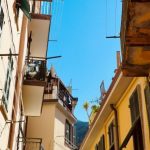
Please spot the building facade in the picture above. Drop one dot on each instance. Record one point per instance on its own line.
(55, 126)
(13, 40)
(123, 118)
(24, 35)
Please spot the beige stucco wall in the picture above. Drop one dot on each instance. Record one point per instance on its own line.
(40, 30)
(10, 39)
(43, 126)
(50, 126)
(59, 131)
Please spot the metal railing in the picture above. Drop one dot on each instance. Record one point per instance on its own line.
(69, 143)
(42, 7)
(35, 69)
(31, 143)
(65, 98)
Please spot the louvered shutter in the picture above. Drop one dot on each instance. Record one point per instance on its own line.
(147, 99)
(134, 106)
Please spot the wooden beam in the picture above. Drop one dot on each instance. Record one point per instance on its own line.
(40, 16)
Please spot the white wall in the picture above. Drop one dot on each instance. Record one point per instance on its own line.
(59, 131)
(10, 39)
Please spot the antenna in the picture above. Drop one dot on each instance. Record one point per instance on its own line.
(111, 37)
(102, 90)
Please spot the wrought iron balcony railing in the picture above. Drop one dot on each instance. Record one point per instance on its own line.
(31, 143)
(70, 144)
(65, 98)
(41, 7)
(35, 69)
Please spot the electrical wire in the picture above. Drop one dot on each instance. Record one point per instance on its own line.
(115, 16)
(106, 18)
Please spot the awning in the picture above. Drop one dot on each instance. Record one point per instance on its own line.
(130, 133)
(25, 7)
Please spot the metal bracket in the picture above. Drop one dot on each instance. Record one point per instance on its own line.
(8, 55)
(12, 122)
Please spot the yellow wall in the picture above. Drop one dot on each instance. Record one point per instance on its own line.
(103, 131)
(124, 118)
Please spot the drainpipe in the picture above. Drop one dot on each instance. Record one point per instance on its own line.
(116, 125)
(148, 79)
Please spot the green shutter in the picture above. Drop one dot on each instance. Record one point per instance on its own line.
(25, 7)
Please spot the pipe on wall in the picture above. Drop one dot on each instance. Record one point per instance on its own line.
(116, 125)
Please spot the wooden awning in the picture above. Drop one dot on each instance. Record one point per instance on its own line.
(135, 38)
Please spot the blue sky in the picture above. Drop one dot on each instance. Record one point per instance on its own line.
(80, 28)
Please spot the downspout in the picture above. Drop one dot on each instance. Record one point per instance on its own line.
(148, 79)
(116, 125)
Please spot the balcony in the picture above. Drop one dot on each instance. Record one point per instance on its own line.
(56, 90)
(64, 96)
(40, 9)
(31, 143)
(135, 37)
(33, 86)
(39, 27)
(70, 144)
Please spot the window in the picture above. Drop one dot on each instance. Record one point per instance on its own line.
(101, 144)
(111, 136)
(147, 99)
(135, 115)
(7, 81)
(68, 133)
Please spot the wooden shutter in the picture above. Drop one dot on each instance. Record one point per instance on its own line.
(102, 143)
(111, 134)
(96, 147)
(134, 106)
(147, 99)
